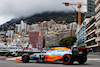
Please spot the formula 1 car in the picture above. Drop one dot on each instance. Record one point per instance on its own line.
(66, 55)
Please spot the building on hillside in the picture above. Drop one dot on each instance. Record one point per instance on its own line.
(29, 27)
(23, 28)
(66, 30)
(72, 29)
(97, 25)
(51, 24)
(44, 24)
(2, 36)
(34, 26)
(34, 37)
(62, 34)
(10, 32)
(73, 26)
(18, 28)
(41, 42)
(51, 40)
(80, 34)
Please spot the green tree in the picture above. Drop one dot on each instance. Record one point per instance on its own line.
(68, 42)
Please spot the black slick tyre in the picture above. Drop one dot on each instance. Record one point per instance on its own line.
(66, 59)
(25, 58)
(82, 60)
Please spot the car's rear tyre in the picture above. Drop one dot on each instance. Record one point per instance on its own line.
(66, 59)
(82, 60)
(25, 58)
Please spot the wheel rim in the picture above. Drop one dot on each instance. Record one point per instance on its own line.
(24, 58)
(66, 59)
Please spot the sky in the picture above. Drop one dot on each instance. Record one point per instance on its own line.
(23, 8)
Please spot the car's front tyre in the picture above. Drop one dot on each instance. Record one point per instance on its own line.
(25, 58)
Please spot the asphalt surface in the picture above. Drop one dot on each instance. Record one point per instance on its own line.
(93, 61)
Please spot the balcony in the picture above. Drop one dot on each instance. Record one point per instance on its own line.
(97, 31)
(90, 32)
(97, 8)
(95, 45)
(97, 1)
(91, 36)
(97, 38)
(91, 43)
(97, 23)
(87, 20)
(97, 16)
(90, 26)
(99, 43)
(90, 39)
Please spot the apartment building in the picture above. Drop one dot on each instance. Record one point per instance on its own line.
(18, 28)
(97, 23)
(90, 6)
(90, 33)
(93, 29)
(29, 27)
(34, 37)
(34, 26)
(51, 40)
(10, 33)
(66, 30)
(23, 28)
(2, 36)
(41, 42)
(80, 34)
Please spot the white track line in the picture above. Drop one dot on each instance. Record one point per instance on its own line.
(92, 59)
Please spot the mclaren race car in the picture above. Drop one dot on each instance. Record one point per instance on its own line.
(64, 54)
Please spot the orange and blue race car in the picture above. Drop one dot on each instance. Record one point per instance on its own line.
(64, 54)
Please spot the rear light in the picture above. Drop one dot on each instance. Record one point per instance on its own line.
(81, 47)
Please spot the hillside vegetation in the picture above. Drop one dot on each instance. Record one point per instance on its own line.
(46, 16)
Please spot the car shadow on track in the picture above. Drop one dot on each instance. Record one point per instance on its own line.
(56, 63)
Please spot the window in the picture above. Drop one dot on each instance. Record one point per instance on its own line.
(83, 29)
(83, 33)
(83, 38)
